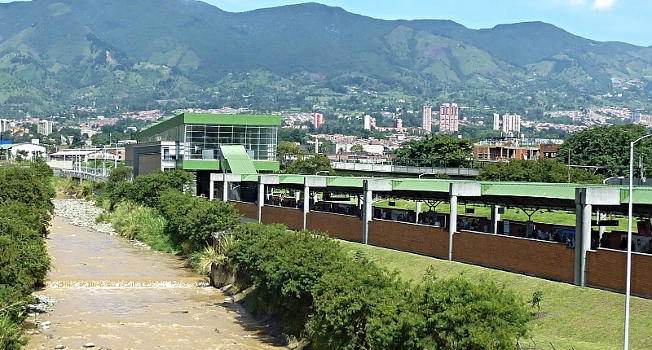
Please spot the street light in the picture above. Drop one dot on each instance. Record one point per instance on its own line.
(629, 238)
(322, 171)
(426, 174)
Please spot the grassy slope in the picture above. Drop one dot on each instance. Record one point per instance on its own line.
(583, 318)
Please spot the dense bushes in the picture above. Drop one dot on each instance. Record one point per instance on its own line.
(342, 302)
(25, 208)
(154, 209)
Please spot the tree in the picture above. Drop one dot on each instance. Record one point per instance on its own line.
(539, 170)
(437, 151)
(608, 147)
(357, 148)
(310, 166)
(286, 151)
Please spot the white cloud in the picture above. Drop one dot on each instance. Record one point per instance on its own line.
(577, 2)
(603, 5)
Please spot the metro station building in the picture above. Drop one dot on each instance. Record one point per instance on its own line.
(205, 144)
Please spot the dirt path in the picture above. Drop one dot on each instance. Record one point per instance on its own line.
(118, 296)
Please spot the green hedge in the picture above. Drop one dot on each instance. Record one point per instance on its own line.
(25, 209)
(343, 302)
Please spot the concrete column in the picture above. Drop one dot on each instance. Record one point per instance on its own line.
(582, 241)
(225, 190)
(261, 200)
(585, 199)
(367, 213)
(306, 205)
(495, 219)
(452, 225)
(416, 219)
(211, 189)
(297, 197)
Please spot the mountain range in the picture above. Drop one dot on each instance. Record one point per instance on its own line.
(124, 54)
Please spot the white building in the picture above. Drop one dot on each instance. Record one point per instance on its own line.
(45, 127)
(426, 119)
(509, 124)
(449, 118)
(5, 125)
(496, 121)
(26, 151)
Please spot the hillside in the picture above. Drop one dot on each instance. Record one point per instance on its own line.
(123, 54)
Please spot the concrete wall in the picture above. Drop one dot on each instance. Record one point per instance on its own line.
(336, 225)
(290, 217)
(538, 258)
(248, 210)
(421, 239)
(607, 269)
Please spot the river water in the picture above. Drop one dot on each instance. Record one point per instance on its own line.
(119, 296)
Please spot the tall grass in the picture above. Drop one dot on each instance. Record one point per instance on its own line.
(144, 224)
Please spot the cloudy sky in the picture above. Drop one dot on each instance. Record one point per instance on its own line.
(621, 20)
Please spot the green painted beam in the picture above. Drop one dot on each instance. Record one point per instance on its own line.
(201, 164)
(267, 165)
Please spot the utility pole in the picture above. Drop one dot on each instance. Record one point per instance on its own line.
(569, 154)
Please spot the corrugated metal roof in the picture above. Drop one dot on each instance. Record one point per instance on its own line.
(237, 159)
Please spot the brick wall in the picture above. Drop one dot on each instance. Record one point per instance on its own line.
(248, 210)
(290, 217)
(336, 225)
(544, 259)
(421, 239)
(608, 269)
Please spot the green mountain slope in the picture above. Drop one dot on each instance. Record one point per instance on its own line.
(125, 54)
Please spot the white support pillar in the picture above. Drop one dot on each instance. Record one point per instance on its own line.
(261, 200)
(367, 212)
(264, 180)
(211, 189)
(495, 219)
(306, 205)
(368, 189)
(310, 182)
(452, 225)
(225, 190)
(458, 189)
(416, 217)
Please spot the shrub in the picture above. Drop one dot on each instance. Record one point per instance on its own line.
(194, 220)
(285, 265)
(460, 314)
(362, 306)
(10, 334)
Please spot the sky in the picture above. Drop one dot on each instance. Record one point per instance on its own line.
(603, 20)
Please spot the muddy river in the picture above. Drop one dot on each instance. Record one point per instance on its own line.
(114, 295)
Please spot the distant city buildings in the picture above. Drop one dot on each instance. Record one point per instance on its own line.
(502, 149)
(449, 118)
(426, 119)
(45, 127)
(509, 124)
(317, 120)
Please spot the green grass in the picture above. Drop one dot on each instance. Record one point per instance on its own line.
(583, 318)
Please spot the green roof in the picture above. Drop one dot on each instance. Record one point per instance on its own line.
(538, 190)
(210, 119)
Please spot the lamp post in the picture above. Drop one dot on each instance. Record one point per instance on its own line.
(628, 287)
(322, 171)
(426, 174)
